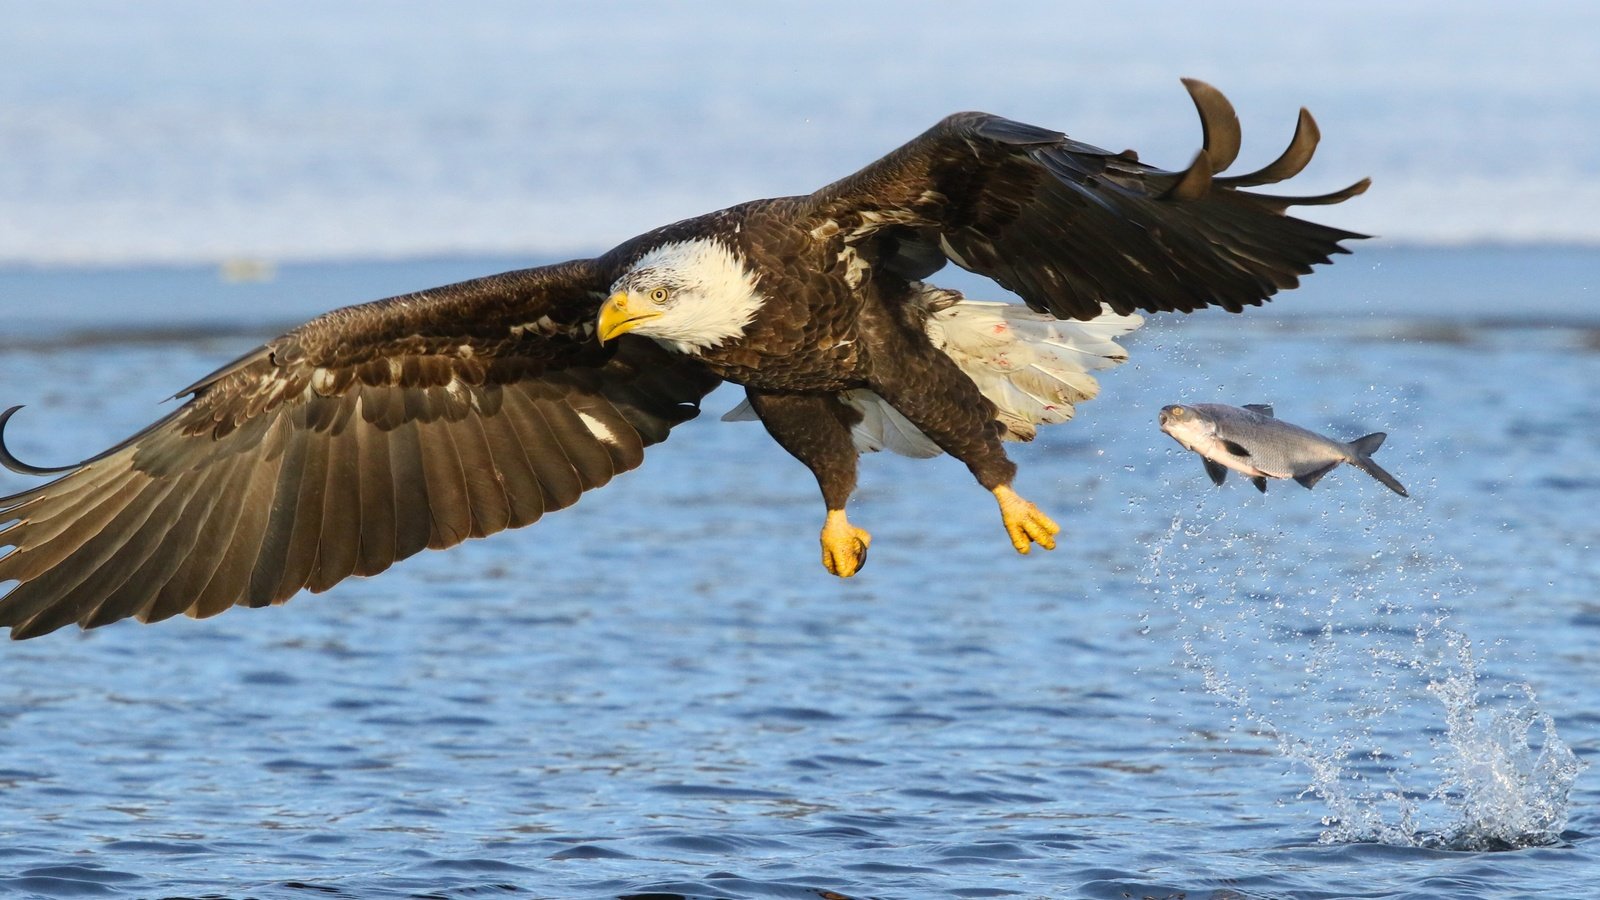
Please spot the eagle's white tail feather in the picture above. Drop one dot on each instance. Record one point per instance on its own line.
(882, 427)
(744, 412)
(1032, 366)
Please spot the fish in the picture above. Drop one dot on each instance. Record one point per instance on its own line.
(1252, 441)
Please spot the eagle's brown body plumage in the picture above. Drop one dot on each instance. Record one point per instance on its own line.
(378, 430)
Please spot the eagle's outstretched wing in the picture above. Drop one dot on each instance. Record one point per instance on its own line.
(1068, 226)
(354, 441)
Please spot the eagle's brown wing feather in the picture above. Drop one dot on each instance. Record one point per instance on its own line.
(352, 442)
(1069, 226)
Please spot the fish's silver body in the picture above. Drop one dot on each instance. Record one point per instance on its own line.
(1250, 440)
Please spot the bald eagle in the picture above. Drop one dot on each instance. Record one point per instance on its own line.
(378, 430)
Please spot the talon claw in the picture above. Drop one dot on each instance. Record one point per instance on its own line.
(844, 546)
(1025, 524)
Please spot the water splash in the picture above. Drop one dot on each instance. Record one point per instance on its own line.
(1499, 785)
(1358, 676)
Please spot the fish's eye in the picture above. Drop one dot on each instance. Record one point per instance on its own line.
(1177, 412)
(659, 295)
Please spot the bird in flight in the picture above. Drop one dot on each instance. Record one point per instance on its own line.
(378, 430)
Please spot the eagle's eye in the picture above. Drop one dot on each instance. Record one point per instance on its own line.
(658, 296)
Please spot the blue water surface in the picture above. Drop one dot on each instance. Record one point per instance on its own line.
(1204, 693)
(660, 692)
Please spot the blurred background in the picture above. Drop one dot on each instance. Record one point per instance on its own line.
(184, 131)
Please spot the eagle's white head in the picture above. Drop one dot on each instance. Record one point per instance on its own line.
(691, 296)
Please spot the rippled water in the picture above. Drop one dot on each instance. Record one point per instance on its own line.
(1205, 693)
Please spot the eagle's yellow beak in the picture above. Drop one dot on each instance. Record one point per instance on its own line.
(615, 317)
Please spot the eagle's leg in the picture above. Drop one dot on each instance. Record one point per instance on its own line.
(931, 391)
(815, 429)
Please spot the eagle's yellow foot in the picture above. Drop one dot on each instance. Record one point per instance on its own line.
(844, 546)
(1024, 522)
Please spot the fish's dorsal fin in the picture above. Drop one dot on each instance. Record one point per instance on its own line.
(1263, 408)
(1236, 448)
(1217, 471)
(1310, 479)
(1366, 446)
(1260, 481)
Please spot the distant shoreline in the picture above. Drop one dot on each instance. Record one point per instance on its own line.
(1493, 285)
(533, 257)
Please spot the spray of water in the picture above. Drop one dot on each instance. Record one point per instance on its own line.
(1358, 675)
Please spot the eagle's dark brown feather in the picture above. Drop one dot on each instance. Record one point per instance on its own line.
(350, 443)
(376, 431)
(1069, 226)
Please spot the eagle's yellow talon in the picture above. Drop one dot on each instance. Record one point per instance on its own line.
(844, 546)
(1024, 522)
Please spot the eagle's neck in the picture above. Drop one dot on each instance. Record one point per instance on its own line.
(721, 298)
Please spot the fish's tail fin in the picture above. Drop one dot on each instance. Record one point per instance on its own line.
(1362, 449)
